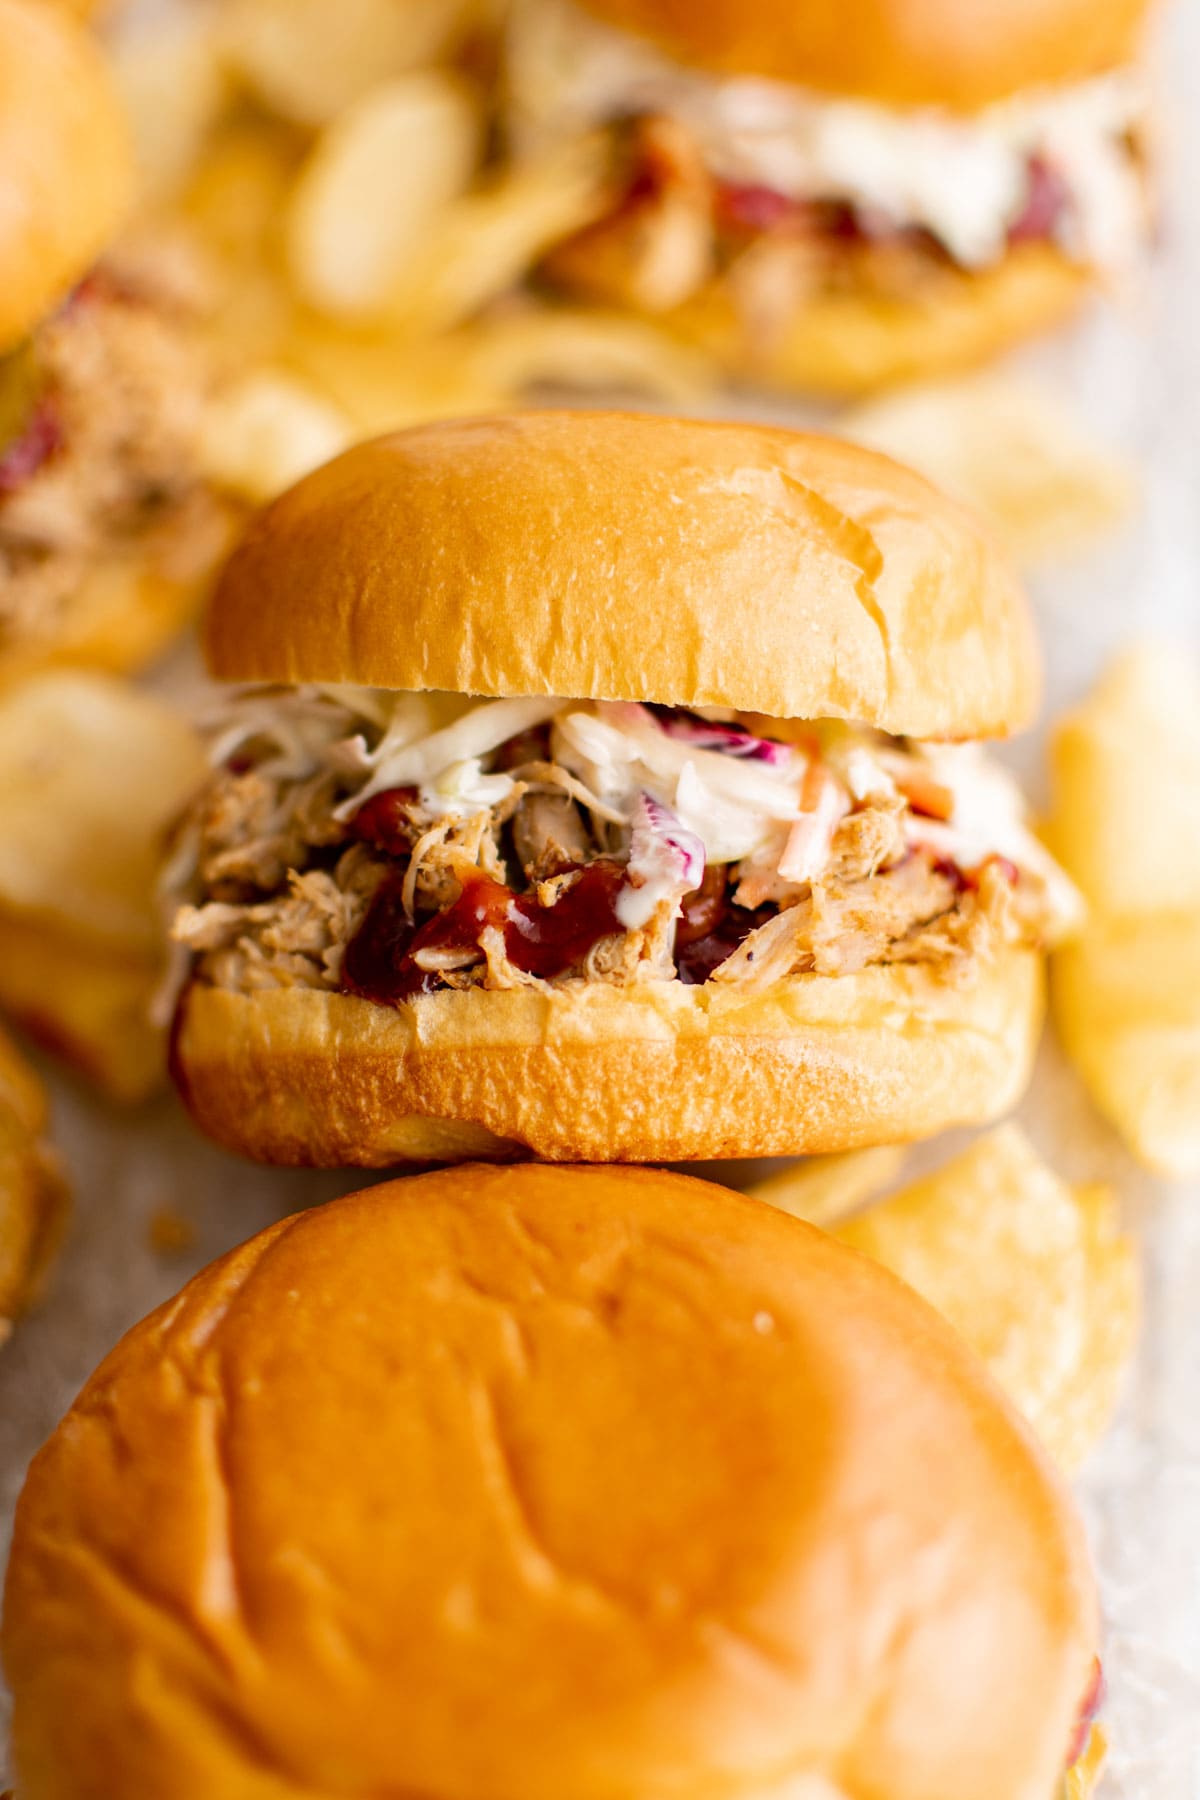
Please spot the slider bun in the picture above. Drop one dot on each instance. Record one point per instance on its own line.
(513, 1484)
(66, 161)
(854, 341)
(961, 54)
(595, 1073)
(622, 556)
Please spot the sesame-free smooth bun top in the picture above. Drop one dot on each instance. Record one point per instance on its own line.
(961, 54)
(66, 169)
(627, 557)
(511, 1484)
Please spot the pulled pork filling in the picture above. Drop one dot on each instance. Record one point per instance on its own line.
(792, 193)
(100, 416)
(390, 845)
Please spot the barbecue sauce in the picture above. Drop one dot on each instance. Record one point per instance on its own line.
(711, 927)
(40, 438)
(380, 962)
(383, 821)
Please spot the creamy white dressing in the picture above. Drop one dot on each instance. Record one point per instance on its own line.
(990, 819)
(962, 178)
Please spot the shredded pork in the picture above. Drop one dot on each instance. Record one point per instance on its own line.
(283, 865)
(104, 445)
(677, 227)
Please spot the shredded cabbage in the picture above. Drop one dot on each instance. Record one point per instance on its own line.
(681, 800)
(666, 861)
(404, 760)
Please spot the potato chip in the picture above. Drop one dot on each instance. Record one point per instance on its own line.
(173, 54)
(33, 1189)
(236, 197)
(376, 189)
(87, 1004)
(1034, 1274)
(1126, 825)
(487, 241)
(1126, 786)
(311, 59)
(1011, 450)
(266, 431)
(825, 1189)
(544, 346)
(1126, 1001)
(91, 773)
(382, 381)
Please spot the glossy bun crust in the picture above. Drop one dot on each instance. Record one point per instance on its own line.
(516, 1484)
(595, 1073)
(624, 556)
(65, 156)
(962, 54)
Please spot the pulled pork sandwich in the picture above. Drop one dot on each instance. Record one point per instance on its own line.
(517, 1484)
(105, 527)
(836, 197)
(599, 814)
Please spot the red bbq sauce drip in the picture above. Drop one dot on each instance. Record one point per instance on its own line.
(377, 965)
(548, 940)
(710, 927)
(1047, 197)
(702, 910)
(381, 959)
(38, 442)
(383, 822)
(745, 206)
(750, 208)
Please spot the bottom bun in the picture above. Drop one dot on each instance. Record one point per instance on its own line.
(855, 341)
(655, 1073)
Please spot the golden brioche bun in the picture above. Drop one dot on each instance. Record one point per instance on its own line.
(595, 1073)
(962, 54)
(510, 1484)
(33, 1192)
(855, 341)
(623, 556)
(82, 9)
(66, 157)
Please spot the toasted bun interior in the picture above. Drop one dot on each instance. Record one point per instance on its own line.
(66, 160)
(623, 556)
(961, 54)
(541, 1482)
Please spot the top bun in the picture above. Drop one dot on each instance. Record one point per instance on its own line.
(510, 1484)
(961, 54)
(628, 557)
(66, 160)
